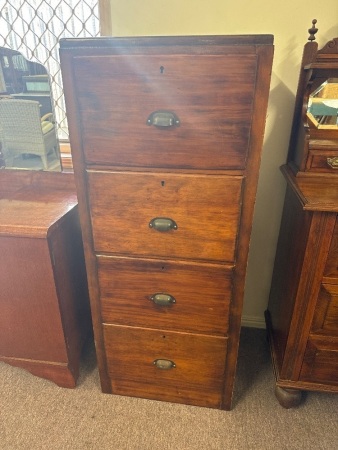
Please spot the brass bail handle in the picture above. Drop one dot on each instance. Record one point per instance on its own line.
(163, 224)
(162, 299)
(164, 364)
(163, 119)
(333, 162)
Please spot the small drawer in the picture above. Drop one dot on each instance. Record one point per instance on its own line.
(154, 293)
(322, 161)
(201, 214)
(325, 320)
(164, 365)
(175, 111)
(331, 267)
(320, 364)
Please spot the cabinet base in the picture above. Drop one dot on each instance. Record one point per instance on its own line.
(58, 373)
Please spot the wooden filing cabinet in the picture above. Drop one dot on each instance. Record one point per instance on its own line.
(302, 315)
(166, 136)
(44, 305)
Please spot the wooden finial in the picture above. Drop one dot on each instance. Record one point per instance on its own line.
(313, 30)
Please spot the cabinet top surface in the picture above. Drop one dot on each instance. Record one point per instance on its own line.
(32, 212)
(148, 41)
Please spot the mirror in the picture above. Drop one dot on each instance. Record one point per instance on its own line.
(322, 108)
(28, 138)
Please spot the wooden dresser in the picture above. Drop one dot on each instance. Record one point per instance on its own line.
(44, 305)
(166, 136)
(302, 315)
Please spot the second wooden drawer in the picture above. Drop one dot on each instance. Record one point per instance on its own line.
(204, 208)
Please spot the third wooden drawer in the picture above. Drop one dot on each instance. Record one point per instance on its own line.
(179, 296)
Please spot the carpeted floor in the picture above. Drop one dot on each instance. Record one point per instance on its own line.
(35, 414)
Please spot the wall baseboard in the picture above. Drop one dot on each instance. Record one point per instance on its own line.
(253, 321)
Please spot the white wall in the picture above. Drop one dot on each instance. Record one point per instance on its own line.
(288, 21)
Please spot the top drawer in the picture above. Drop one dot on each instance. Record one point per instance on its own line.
(202, 103)
(322, 161)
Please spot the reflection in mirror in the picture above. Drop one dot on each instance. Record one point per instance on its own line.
(322, 109)
(28, 138)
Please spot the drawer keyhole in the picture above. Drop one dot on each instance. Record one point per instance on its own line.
(161, 69)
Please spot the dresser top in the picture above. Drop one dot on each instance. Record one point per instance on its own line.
(33, 212)
(317, 193)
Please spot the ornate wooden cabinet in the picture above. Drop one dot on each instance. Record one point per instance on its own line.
(302, 316)
(166, 135)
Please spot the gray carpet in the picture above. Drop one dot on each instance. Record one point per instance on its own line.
(35, 414)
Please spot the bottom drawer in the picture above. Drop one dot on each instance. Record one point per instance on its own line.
(165, 365)
(320, 364)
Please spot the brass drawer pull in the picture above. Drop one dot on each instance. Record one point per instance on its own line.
(164, 364)
(163, 224)
(163, 119)
(163, 299)
(333, 162)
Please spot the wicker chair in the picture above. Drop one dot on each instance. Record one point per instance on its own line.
(23, 131)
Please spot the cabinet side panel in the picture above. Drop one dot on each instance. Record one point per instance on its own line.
(30, 322)
(264, 63)
(287, 269)
(84, 213)
(71, 283)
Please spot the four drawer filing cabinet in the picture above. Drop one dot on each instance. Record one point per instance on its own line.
(166, 135)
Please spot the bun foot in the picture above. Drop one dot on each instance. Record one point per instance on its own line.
(288, 398)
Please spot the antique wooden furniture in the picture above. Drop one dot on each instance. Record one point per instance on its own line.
(166, 136)
(302, 315)
(44, 305)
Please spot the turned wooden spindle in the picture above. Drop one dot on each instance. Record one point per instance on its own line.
(313, 30)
